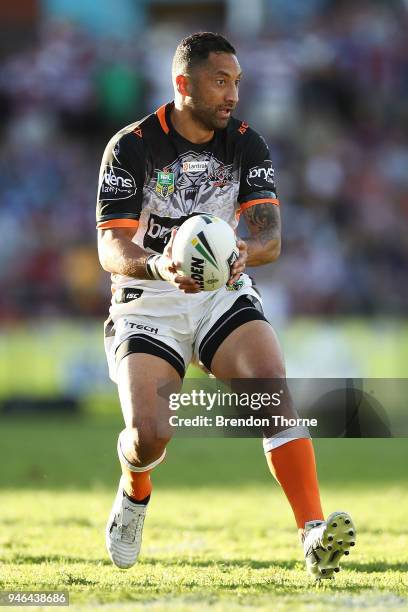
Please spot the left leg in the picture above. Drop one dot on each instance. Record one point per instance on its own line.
(252, 350)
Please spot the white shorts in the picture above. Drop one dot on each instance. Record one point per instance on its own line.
(175, 326)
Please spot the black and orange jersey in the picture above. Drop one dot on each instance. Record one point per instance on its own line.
(153, 179)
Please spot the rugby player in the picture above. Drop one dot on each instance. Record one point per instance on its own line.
(193, 156)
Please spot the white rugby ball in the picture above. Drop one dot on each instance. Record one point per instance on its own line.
(205, 248)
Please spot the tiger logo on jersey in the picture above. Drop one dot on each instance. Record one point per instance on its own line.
(194, 178)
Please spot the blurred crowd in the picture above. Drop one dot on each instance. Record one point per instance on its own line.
(328, 95)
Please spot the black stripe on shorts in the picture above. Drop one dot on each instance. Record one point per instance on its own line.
(246, 308)
(140, 343)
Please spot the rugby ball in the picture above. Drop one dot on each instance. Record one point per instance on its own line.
(205, 248)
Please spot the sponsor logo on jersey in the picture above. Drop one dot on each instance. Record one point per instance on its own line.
(243, 127)
(127, 294)
(117, 184)
(159, 231)
(140, 326)
(165, 183)
(195, 166)
(261, 176)
(133, 295)
(158, 228)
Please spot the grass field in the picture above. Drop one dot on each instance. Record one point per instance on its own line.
(219, 534)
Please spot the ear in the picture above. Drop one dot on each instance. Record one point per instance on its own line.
(183, 85)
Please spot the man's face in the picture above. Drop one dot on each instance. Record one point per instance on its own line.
(214, 90)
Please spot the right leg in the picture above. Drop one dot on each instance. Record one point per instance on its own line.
(141, 446)
(143, 442)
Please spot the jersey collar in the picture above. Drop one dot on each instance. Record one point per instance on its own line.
(162, 115)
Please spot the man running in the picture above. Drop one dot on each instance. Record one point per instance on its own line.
(192, 156)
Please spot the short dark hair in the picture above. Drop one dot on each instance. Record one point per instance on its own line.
(196, 48)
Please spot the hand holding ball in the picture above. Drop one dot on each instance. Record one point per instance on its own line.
(205, 248)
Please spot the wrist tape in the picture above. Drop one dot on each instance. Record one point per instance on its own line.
(152, 267)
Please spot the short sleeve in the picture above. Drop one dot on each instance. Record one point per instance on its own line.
(121, 180)
(257, 184)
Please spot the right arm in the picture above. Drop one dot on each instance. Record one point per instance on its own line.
(119, 255)
(118, 210)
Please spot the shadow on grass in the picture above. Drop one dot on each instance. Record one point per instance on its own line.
(220, 563)
(40, 559)
(20, 559)
(385, 532)
(59, 522)
(377, 567)
(373, 567)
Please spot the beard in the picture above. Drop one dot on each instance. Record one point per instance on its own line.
(207, 116)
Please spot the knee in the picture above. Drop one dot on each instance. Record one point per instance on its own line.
(142, 445)
(271, 370)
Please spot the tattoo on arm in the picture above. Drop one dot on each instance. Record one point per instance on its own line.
(263, 222)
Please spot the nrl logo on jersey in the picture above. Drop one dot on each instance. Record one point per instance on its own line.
(165, 183)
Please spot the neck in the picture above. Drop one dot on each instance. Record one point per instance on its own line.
(186, 125)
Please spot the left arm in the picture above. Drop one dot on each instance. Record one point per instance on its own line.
(258, 202)
(264, 225)
(264, 243)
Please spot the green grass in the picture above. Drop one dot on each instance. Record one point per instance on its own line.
(219, 534)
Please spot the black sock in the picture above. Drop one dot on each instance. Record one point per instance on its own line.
(141, 502)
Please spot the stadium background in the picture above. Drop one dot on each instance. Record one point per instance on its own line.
(325, 82)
